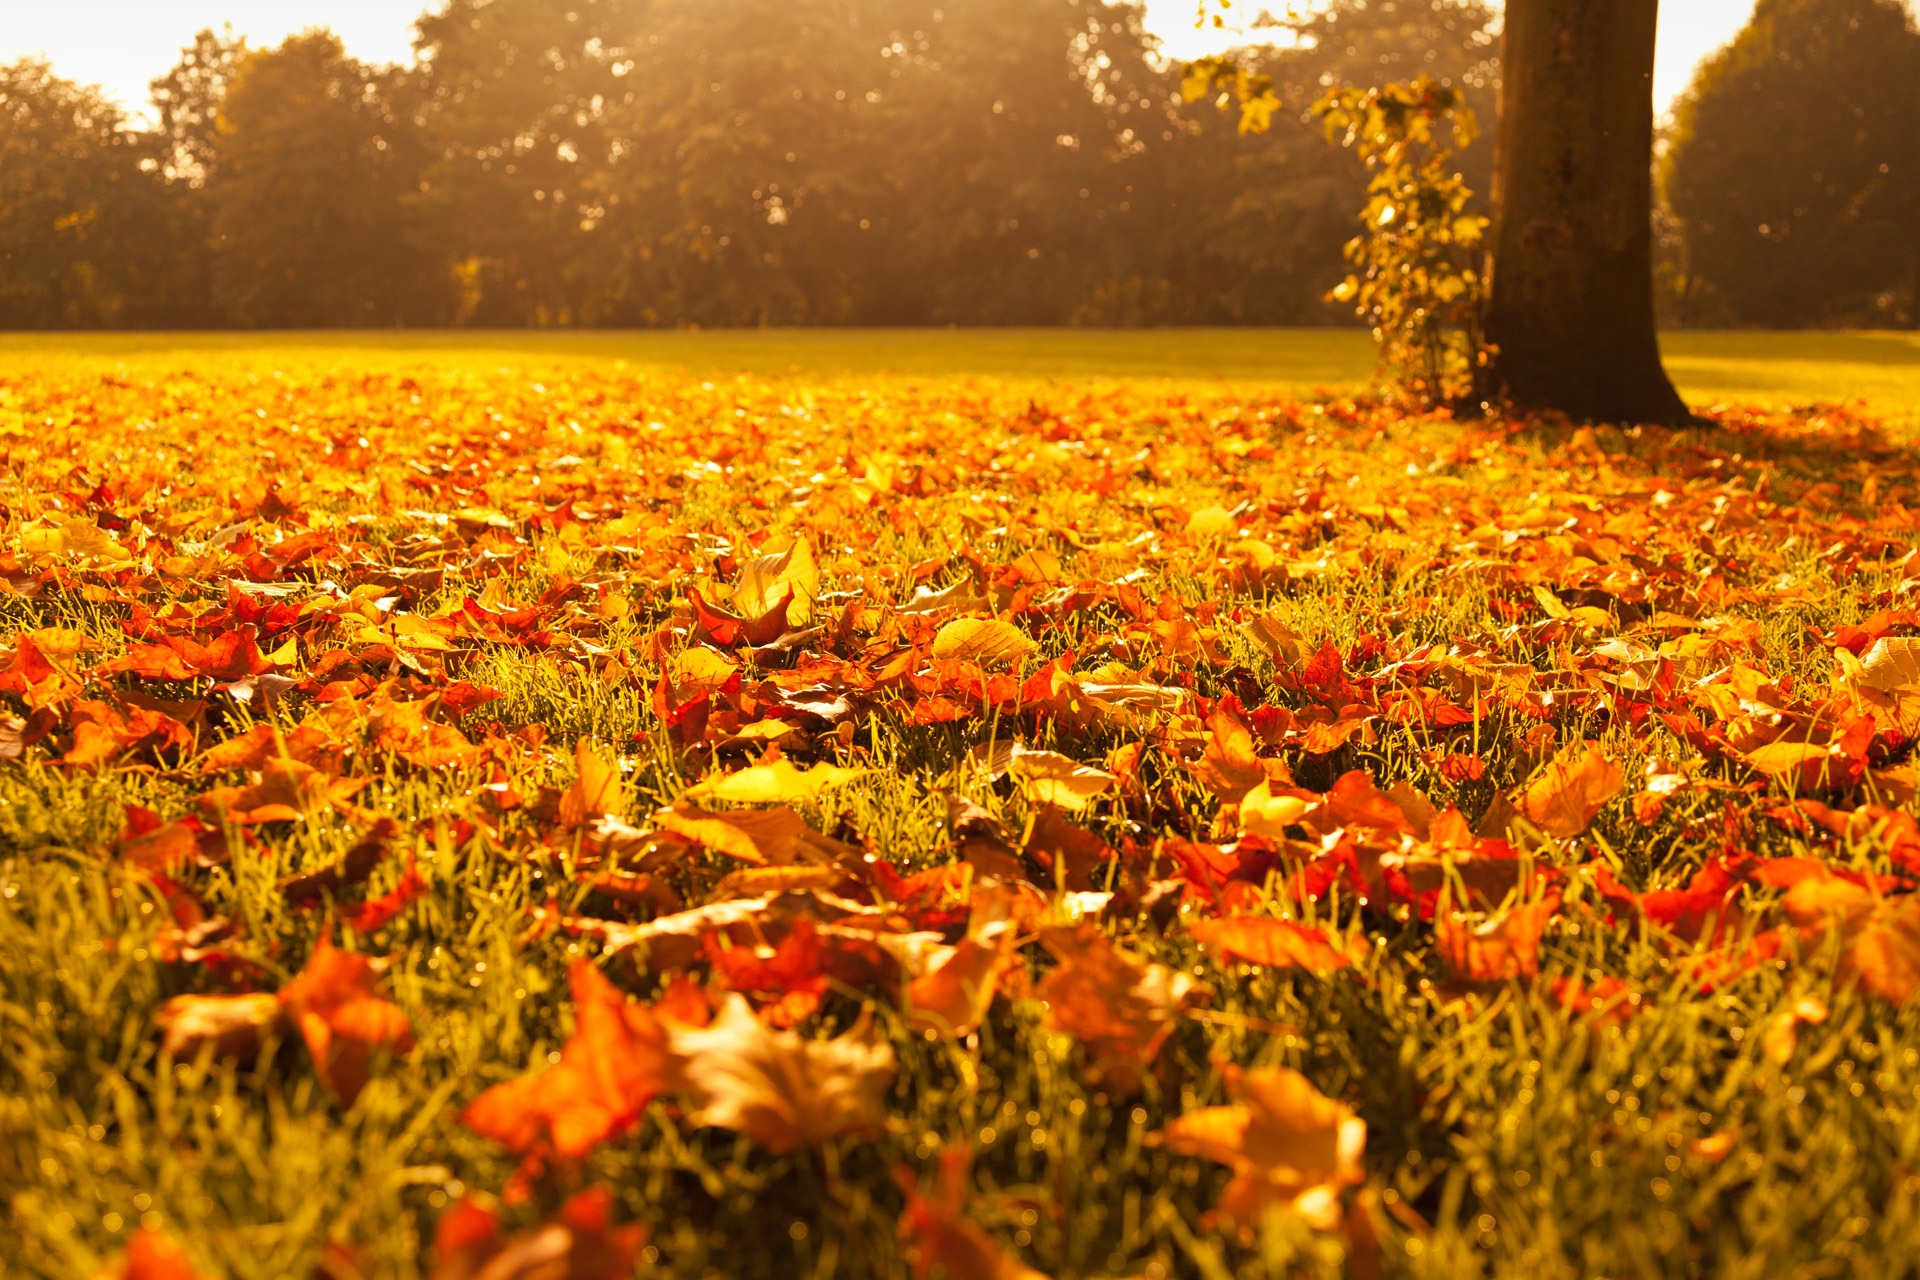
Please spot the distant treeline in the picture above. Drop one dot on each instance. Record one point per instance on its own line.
(875, 162)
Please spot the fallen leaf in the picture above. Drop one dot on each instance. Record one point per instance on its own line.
(779, 1089)
(151, 1256)
(790, 574)
(595, 789)
(614, 1064)
(943, 1239)
(345, 1025)
(1286, 1142)
(776, 783)
(987, 641)
(1119, 1008)
(1566, 798)
(579, 1244)
(1278, 944)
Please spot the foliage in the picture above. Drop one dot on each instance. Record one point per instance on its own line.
(1794, 169)
(616, 163)
(1418, 265)
(310, 225)
(570, 819)
(72, 201)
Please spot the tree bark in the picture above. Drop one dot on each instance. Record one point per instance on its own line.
(1570, 296)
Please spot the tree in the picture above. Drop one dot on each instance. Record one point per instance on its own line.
(1570, 291)
(312, 221)
(1795, 167)
(77, 193)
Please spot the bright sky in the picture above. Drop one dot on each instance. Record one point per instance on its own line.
(123, 44)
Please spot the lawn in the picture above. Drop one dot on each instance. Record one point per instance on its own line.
(1881, 370)
(787, 805)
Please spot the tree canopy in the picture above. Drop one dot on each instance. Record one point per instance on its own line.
(1794, 168)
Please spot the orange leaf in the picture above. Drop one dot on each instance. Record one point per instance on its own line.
(1286, 1142)
(151, 1256)
(615, 1064)
(943, 1239)
(344, 1024)
(1571, 792)
(1279, 944)
(1494, 948)
(595, 790)
(1120, 1009)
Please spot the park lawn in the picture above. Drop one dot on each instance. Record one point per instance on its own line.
(1542, 798)
(1878, 370)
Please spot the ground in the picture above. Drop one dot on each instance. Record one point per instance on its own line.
(821, 804)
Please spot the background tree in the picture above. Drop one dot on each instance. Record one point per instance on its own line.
(1795, 168)
(310, 198)
(77, 198)
(516, 109)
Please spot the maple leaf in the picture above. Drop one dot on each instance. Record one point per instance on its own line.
(1286, 1142)
(943, 1239)
(1051, 778)
(151, 1256)
(987, 641)
(1230, 767)
(790, 576)
(1878, 936)
(953, 996)
(595, 789)
(331, 1002)
(779, 1089)
(1566, 798)
(1278, 944)
(614, 1064)
(1120, 1009)
(230, 1028)
(769, 837)
(579, 1244)
(1496, 947)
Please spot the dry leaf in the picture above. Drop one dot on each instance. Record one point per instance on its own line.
(943, 1240)
(779, 1089)
(1120, 1009)
(151, 1256)
(580, 1244)
(1572, 791)
(615, 1063)
(595, 790)
(987, 641)
(1286, 1142)
(768, 579)
(776, 783)
(345, 1025)
(1879, 936)
(1279, 944)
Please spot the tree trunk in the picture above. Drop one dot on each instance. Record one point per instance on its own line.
(1570, 298)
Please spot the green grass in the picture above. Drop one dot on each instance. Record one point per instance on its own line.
(1537, 1146)
(1880, 369)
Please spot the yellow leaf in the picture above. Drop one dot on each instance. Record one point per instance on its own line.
(982, 640)
(595, 791)
(1286, 1142)
(767, 578)
(1211, 522)
(700, 668)
(776, 783)
(1052, 778)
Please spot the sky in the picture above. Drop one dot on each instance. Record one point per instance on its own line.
(122, 44)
